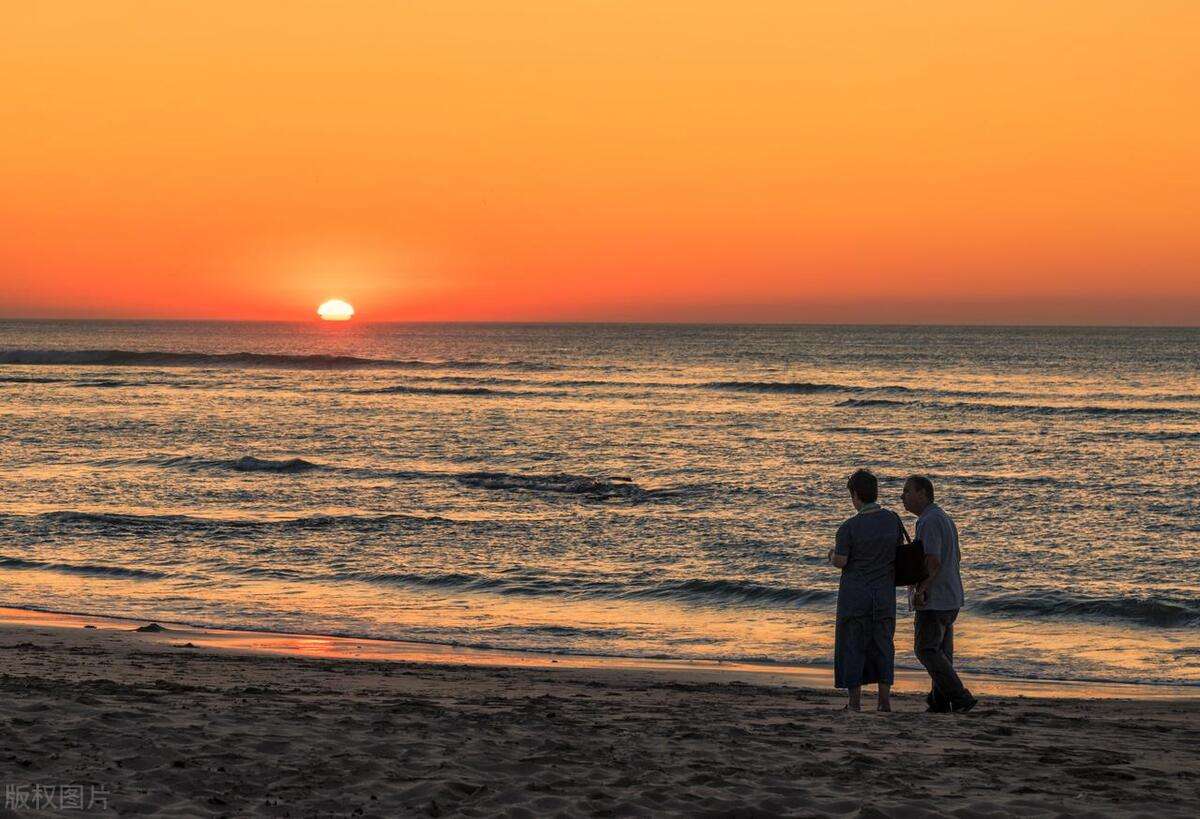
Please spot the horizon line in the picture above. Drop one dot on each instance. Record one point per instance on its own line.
(595, 323)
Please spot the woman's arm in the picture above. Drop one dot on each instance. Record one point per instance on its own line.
(839, 555)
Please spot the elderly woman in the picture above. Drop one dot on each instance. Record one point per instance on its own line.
(865, 551)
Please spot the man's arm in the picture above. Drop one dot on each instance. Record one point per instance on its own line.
(932, 565)
(931, 539)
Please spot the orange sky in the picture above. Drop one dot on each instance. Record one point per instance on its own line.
(576, 159)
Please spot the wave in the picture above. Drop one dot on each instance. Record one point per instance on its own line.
(103, 383)
(619, 488)
(792, 387)
(403, 389)
(702, 591)
(815, 388)
(591, 488)
(903, 431)
(82, 568)
(1003, 480)
(1163, 611)
(459, 581)
(99, 383)
(246, 463)
(1020, 409)
(798, 387)
(117, 523)
(876, 402)
(1159, 435)
(494, 380)
(29, 379)
(694, 591)
(1027, 409)
(150, 358)
(553, 630)
(1151, 611)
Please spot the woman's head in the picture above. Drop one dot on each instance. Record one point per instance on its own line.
(864, 488)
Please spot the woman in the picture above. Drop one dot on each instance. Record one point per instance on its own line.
(865, 551)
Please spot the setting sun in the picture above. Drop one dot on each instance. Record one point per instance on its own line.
(336, 310)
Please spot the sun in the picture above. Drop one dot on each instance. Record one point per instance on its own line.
(336, 310)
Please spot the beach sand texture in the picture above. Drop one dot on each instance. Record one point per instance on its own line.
(164, 729)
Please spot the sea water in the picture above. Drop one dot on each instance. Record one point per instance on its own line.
(632, 490)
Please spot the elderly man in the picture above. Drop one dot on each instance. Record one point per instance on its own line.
(937, 598)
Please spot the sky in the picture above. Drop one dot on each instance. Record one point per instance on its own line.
(855, 161)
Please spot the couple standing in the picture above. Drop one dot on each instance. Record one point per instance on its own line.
(865, 551)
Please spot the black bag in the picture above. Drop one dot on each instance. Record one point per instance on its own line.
(910, 560)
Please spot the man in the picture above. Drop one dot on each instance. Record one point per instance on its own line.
(937, 598)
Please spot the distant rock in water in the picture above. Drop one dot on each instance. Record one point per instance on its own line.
(622, 487)
(153, 628)
(248, 463)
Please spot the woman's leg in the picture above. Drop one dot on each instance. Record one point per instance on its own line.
(881, 659)
(848, 658)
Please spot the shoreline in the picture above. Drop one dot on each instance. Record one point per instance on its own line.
(330, 647)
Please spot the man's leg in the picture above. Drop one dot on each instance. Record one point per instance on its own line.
(941, 699)
(931, 633)
(965, 701)
(926, 633)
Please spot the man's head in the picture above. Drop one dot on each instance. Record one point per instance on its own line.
(864, 488)
(918, 493)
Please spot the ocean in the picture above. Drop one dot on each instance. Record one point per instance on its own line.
(666, 491)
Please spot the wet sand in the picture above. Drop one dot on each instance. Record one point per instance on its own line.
(188, 722)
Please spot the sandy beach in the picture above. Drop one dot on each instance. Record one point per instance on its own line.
(187, 722)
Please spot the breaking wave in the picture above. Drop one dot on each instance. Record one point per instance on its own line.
(125, 523)
(1162, 611)
(246, 463)
(1160, 435)
(404, 389)
(817, 388)
(90, 569)
(793, 387)
(700, 591)
(1021, 409)
(29, 379)
(693, 591)
(876, 402)
(618, 488)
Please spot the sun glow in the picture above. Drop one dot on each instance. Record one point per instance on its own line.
(336, 310)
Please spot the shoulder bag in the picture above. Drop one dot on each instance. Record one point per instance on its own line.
(910, 559)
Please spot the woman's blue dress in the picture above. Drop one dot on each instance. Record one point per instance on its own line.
(864, 641)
